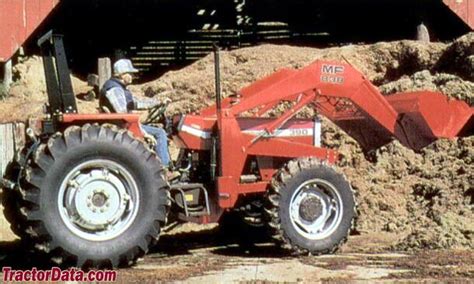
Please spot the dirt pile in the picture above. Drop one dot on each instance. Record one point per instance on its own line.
(444, 195)
(452, 73)
(30, 80)
(27, 94)
(451, 85)
(193, 87)
(426, 197)
(458, 58)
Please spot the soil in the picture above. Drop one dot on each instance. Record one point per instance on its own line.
(5, 233)
(196, 254)
(193, 87)
(27, 95)
(450, 85)
(426, 198)
(418, 201)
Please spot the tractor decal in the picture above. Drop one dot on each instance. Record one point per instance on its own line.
(330, 74)
(293, 132)
(196, 132)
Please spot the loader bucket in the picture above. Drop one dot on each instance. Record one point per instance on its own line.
(423, 117)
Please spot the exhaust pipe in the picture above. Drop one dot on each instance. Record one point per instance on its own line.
(217, 71)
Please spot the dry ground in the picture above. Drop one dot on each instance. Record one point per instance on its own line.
(202, 255)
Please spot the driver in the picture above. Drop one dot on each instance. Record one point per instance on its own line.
(115, 97)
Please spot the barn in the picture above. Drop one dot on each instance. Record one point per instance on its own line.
(163, 34)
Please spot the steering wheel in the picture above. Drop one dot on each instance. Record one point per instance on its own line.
(156, 114)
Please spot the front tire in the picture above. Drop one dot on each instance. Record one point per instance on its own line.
(310, 207)
(94, 197)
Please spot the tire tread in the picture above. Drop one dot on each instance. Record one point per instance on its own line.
(42, 241)
(272, 204)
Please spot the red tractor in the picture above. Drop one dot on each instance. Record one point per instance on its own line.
(89, 191)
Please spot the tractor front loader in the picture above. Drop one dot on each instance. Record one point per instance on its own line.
(87, 190)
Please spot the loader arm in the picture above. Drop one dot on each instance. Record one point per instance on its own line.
(342, 94)
(338, 91)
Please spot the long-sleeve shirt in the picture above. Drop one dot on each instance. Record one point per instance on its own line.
(118, 99)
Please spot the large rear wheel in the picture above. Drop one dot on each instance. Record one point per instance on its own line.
(310, 207)
(94, 197)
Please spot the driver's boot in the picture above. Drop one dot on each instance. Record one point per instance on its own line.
(171, 175)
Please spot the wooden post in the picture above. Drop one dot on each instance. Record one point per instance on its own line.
(12, 139)
(422, 33)
(7, 74)
(105, 71)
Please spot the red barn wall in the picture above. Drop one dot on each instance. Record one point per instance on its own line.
(464, 9)
(18, 20)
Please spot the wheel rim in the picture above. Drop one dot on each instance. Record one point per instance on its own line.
(316, 209)
(98, 200)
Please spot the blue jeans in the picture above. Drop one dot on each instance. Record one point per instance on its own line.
(161, 142)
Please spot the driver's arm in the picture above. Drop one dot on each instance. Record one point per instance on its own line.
(143, 104)
(116, 98)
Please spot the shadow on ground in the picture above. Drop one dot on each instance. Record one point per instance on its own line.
(13, 254)
(219, 243)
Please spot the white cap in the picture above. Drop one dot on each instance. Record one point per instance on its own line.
(124, 66)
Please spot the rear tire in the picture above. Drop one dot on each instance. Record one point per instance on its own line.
(310, 207)
(94, 197)
(11, 198)
(11, 211)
